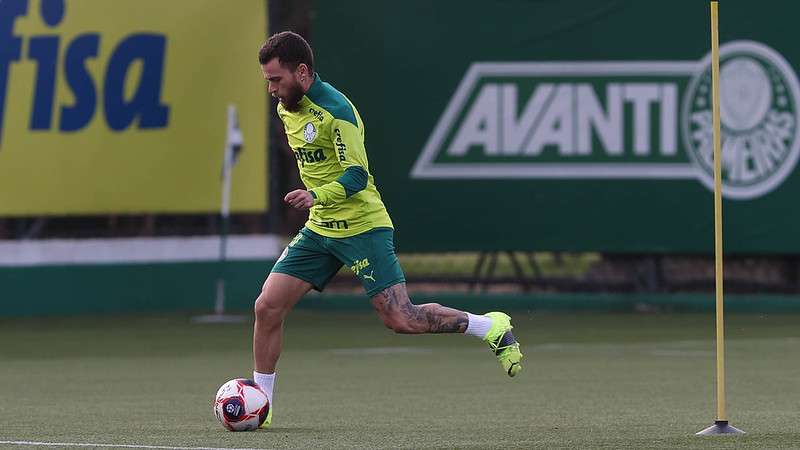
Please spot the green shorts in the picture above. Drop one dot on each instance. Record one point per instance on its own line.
(316, 259)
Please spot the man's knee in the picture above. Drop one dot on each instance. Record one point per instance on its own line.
(278, 295)
(396, 310)
(267, 310)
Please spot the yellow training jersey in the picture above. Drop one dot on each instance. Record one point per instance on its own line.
(327, 136)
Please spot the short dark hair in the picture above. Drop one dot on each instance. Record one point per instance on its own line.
(290, 48)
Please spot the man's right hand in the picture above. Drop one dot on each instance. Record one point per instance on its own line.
(299, 199)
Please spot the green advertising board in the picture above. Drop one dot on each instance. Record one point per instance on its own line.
(572, 126)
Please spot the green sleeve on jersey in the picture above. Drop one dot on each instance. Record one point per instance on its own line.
(351, 182)
(354, 180)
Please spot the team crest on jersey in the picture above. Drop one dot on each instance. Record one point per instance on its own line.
(309, 132)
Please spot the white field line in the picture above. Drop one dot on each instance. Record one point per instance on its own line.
(88, 444)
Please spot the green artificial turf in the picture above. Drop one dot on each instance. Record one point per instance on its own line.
(590, 381)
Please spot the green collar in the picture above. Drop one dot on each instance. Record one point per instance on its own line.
(316, 89)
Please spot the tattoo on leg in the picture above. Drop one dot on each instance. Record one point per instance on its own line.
(427, 318)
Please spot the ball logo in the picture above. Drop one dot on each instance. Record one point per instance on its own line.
(309, 132)
(758, 110)
(233, 409)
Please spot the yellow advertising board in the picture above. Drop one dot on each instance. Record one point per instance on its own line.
(121, 106)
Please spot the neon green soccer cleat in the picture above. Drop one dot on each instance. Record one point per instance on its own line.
(502, 342)
(268, 420)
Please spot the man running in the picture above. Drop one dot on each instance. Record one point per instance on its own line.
(347, 222)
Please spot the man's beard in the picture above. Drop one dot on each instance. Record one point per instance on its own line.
(292, 100)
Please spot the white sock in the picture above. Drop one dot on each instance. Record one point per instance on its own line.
(265, 381)
(478, 325)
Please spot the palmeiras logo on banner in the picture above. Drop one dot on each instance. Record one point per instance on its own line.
(758, 112)
(622, 120)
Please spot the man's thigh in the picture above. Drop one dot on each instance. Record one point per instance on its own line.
(307, 258)
(371, 257)
(281, 292)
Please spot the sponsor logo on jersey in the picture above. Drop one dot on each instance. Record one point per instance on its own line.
(341, 148)
(331, 224)
(316, 113)
(304, 156)
(622, 120)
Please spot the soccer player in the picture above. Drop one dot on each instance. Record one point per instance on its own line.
(347, 222)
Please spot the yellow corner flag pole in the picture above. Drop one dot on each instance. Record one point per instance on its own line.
(721, 425)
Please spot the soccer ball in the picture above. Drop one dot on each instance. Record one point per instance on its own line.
(240, 405)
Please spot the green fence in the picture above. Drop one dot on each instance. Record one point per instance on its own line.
(127, 288)
(190, 287)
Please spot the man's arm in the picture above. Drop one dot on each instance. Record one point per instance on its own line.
(352, 156)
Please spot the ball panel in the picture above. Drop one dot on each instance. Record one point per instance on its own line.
(254, 398)
(228, 389)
